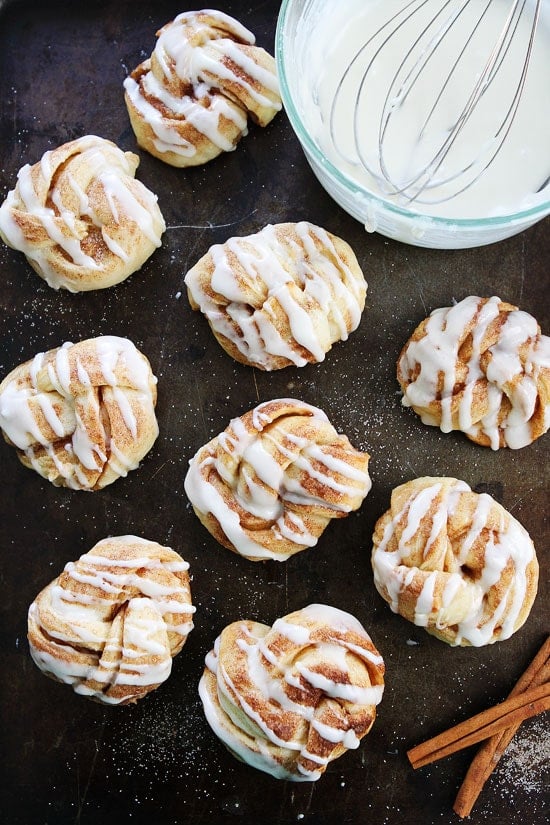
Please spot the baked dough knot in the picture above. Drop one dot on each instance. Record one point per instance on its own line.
(83, 414)
(192, 98)
(80, 217)
(481, 366)
(290, 698)
(281, 296)
(112, 622)
(268, 485)
(454, 562)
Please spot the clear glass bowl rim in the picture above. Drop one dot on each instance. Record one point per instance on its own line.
(528, 215)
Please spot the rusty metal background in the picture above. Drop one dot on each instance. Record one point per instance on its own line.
(67, 760)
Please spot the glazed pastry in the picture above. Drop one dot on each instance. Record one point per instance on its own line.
(111, 623)
(80, 217)
(482, 367)
(454, 562)
(279, 297)
(192, 99)
(290, 698)
(267, 486)
(81, 415)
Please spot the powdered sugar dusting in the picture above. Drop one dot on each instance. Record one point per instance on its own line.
(525, 765)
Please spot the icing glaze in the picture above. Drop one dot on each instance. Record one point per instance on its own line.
(379, 86)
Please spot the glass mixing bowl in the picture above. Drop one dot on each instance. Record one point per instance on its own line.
(295, 37)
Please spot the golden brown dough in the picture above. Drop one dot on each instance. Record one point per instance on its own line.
(80, 217)
(192, 98)
(291, 698)
(111, 623)
(81, 415)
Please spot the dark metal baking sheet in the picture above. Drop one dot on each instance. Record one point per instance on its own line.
(67, 760)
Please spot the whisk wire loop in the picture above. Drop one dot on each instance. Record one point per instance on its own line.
(482, 84)
(446, 156)
(406, 86)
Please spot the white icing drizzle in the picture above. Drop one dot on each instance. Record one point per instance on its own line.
(84, 449)
(261, 759)
(64, 617)
(126, 410)
(461, 601)
(245, 715)
(117, 192)
(289, 525)
(245, 460)
(515, 369)
(75, 375)
(205, 120)
(34, 204)
(219, 19)
(320, 295)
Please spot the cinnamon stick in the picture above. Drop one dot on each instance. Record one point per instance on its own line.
(512, 711)
(492, 749)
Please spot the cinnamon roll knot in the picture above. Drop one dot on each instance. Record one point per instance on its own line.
(481, 366)
(80, 217)
(280, 297)
(291, 698)
(192, 98)
(81, 415)
(454, 562)
(112, 622)
(268, 485)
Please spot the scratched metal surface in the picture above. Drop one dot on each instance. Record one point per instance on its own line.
(67, 760)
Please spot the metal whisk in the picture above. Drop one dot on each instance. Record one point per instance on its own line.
(436, 89)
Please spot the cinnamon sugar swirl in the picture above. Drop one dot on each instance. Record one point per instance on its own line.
(268, 485)
(81, 415)
(454, 562)
(191, 100)
(112, 622)
(481, 366)
(291, 698)
(280, 297)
